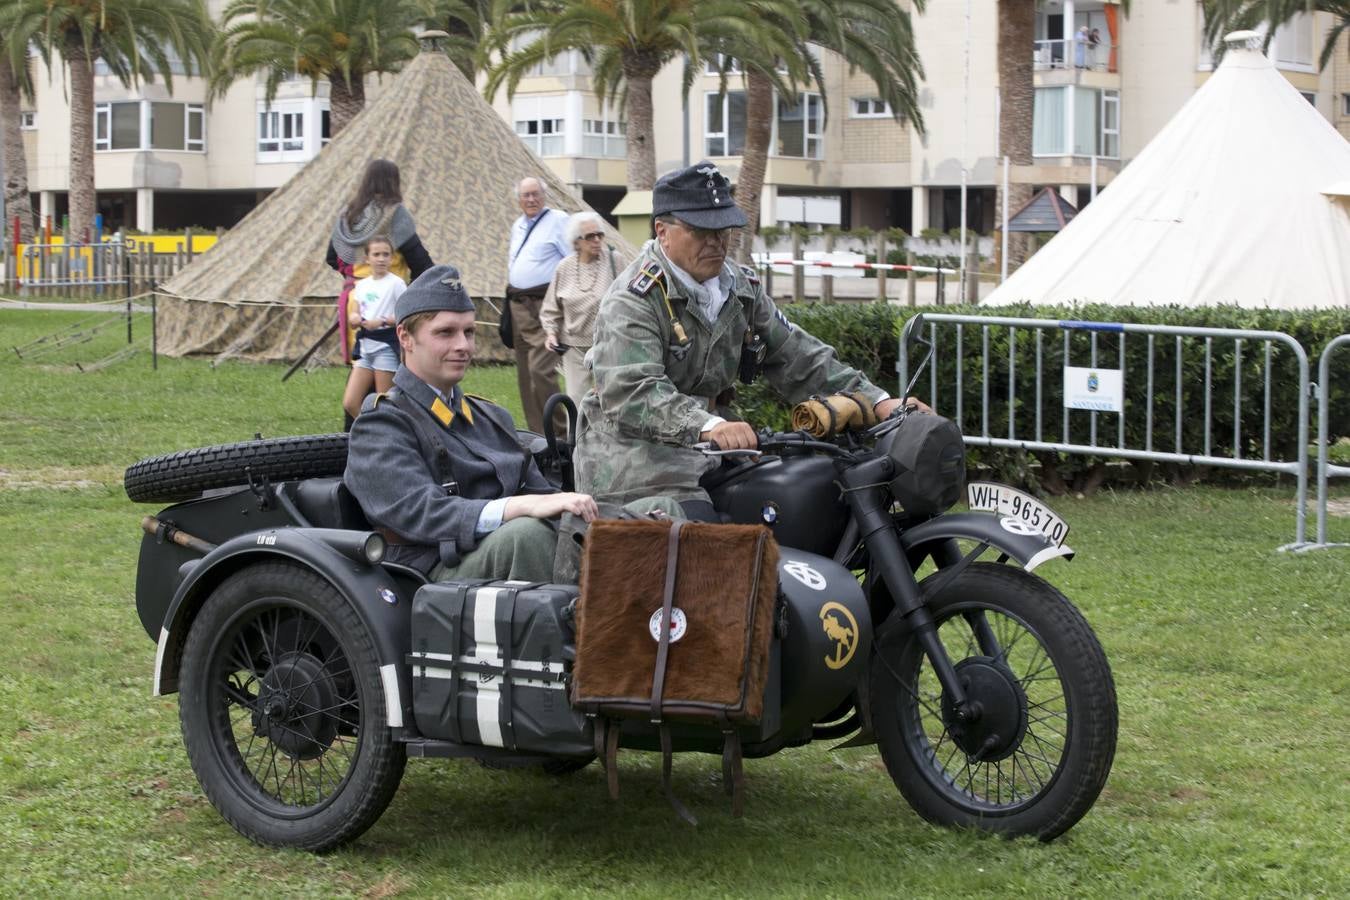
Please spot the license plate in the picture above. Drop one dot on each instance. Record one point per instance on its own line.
(989, 496)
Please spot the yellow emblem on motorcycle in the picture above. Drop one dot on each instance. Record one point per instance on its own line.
(844, 633)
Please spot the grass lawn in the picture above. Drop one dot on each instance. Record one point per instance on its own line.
(1229, 658)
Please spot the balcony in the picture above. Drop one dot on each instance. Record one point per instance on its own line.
(1071, 54)
(1076, 36)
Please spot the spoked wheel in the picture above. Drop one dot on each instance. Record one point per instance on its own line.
(283, 711)
(1035, 754)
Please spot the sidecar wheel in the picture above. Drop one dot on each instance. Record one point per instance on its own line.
(283, 711)
(1037, 755)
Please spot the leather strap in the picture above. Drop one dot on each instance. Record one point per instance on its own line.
(733, 772)
(612, 759)
(680, 809)
(667, 602)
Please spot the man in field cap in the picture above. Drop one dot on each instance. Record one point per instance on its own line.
(439, 472)
(678, 328)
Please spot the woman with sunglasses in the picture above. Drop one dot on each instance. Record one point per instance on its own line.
(573, 298)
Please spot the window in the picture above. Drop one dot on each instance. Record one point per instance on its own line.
(1110, 138)
(724, 124)
(1310, 96)
(117, 126)
(871, 108)
(292, 130)
(801, 122)
(1345, 104)
(281, 130)
(713, 65)
(147, 125)
(28, 119)
(602, 137)
(325, 127)
(1076, 121)
(543, 136)
(1292, 47)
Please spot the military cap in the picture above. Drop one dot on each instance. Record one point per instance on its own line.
(435, 290)
(699, 195)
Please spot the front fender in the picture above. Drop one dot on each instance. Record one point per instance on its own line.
(1028, 549)
(381, 600)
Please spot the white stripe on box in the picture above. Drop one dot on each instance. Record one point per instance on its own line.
(486, 650)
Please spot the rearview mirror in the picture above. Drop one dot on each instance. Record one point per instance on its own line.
(911, 335)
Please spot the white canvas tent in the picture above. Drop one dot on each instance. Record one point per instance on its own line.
(1238, 200)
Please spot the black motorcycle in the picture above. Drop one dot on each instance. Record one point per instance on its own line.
(304, 690)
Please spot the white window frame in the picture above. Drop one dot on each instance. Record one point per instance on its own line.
(281, 131)
(1108, 98)
(724, 136)
(289, 130)
(27, 120)
(196, 145)
(813, 128)
(548, 137)
(1294, 43)
(611, 134)
(869, 108)
(711, 64)
(1345, 104)
(103, 112)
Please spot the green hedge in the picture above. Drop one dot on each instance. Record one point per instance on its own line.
(866, 336)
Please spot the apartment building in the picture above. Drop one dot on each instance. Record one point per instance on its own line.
(837, 157)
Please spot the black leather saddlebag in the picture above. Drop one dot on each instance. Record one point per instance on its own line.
(491, 664)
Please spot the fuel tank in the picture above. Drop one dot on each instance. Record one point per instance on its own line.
(796, 496)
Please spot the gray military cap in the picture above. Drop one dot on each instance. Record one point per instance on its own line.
(435, 290)
(699, 195)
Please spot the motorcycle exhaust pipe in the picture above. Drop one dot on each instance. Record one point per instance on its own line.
(166, 532)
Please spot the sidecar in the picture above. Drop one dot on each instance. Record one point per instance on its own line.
(310, 668)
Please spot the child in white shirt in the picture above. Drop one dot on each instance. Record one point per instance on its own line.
(373, 316)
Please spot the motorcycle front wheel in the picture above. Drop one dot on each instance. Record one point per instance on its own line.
(1035, 754)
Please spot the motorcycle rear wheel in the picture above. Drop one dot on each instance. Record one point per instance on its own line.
(1035, 759)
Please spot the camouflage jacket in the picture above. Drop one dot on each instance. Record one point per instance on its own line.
(659, 366)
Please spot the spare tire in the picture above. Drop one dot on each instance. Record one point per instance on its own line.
(185, 474)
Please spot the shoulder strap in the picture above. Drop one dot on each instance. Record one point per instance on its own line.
(528, 232)
(426, 437)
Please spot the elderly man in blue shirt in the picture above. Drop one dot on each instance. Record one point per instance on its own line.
(538, 244)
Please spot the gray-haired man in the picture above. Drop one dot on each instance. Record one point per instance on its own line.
(538, 244)
(674, 333)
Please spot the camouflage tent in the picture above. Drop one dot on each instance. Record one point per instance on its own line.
(264, 292)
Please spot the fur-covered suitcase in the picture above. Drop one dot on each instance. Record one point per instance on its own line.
(490, 663)
(675, 624)
(716, 662)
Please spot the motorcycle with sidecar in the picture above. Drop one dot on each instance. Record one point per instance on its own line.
(926, 632)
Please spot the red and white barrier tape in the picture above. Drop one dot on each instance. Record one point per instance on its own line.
(881, 267)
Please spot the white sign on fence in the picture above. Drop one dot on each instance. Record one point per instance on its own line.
(1100, 390)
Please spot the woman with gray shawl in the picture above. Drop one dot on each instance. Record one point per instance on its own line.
(377, 209)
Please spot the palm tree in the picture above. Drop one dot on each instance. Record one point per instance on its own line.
(15, 83)
(626, 42)
(135, 39)
(1016, 104)
(1223, 16)
(872, 35)
(340, 41)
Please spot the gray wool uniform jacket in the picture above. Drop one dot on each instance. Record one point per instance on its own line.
(395, 479)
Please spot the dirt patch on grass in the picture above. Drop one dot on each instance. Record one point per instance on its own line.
(1338, 507)
(60, 478)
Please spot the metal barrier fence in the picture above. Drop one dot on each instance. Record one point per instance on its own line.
(1325, 470)
(109, 266)
(1004, 388)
